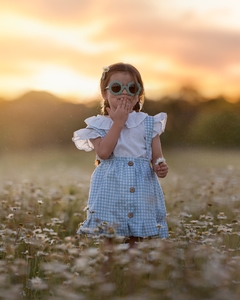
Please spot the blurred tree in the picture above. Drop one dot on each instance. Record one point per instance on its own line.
(39, 119)
(220, 128)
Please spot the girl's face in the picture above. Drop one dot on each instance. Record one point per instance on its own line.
(125, 78)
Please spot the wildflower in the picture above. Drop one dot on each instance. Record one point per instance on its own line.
(221, 216)
(20, 225)
(37, 231)
(160, 160)
(122, 247)
(107, 288)
(40, 202)
(223, 229)
(14, 208)
(37, 283)
(10, 216)
(40, 237)
(53, 233)
(208, 218)
(111, 230)
(56, 221)
(81, 263)
(185, 215)
(194, 221)
(92, 252)
(41, 253)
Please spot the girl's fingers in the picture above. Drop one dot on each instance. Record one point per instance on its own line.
(162, 170)
(128, 106)
(124, 104)
(120, 103)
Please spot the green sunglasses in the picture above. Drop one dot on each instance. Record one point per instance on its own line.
(116, 88)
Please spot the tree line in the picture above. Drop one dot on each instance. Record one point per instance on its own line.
(39, 119)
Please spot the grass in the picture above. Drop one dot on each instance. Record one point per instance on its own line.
(42, 196)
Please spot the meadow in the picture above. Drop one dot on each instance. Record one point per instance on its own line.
(42, 197)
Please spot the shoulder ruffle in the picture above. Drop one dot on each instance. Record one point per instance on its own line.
(100, 122)
(82, 137)
(160, 121)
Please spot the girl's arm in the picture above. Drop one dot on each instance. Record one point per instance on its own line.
(105, 146)
(162, 169)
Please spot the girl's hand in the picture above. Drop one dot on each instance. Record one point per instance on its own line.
(120, 114)
(161, 170)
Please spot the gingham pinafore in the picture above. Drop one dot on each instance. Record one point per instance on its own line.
(125, 196)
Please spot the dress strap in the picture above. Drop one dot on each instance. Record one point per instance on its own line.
(149, 124)
(102, 132)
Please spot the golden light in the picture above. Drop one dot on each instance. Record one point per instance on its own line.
(65, 82)
(44, 47)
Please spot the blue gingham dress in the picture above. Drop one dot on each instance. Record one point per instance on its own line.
(125, 196)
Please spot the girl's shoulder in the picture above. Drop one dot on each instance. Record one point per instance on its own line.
(160, 121)
(160, 117)
(99, 121)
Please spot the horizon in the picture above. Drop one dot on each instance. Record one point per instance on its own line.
(60, 47)
(186, 93)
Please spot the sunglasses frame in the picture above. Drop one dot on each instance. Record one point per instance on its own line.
(123, 87)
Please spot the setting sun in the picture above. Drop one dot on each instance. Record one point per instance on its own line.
(64, 82)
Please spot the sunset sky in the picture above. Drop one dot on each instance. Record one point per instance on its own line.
(60, 46)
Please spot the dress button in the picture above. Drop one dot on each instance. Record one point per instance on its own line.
(130, 163)
(130, 215)
(132, 190)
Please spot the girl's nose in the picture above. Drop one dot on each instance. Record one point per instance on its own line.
(125, 91)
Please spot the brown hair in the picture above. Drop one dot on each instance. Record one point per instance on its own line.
(121, 67)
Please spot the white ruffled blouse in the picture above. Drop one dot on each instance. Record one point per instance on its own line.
(131, 142)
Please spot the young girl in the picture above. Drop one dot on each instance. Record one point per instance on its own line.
(125, 196)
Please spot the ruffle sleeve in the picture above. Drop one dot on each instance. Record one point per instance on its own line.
(160, 121)
(95, 124)
(82, 137)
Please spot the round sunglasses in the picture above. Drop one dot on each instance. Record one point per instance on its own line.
(116, 88)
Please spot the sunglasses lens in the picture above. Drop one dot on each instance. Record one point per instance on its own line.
(132, 88)
(116, 87)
